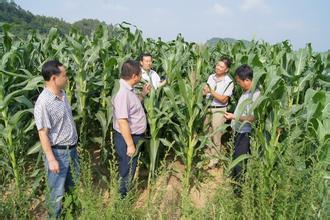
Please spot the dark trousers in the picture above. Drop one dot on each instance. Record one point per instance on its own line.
(127, 165)
(242, 146)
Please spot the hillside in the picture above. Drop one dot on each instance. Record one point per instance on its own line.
(213, 41)
(23, 22)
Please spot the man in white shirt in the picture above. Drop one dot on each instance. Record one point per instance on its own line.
(149, 75)
(219, 88)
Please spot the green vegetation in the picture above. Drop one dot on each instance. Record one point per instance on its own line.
(288, 169)
(213, 41)
(24, 22)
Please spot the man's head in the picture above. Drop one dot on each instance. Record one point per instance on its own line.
(222, 66)
(146, 61)
(131, 71)
(54, 73)
(244, 76)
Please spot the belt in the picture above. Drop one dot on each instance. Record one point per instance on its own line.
(63, 147)
(217, 106)
(139, 135)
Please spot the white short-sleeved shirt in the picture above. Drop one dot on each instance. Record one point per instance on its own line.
(224, 86)
(151, 77)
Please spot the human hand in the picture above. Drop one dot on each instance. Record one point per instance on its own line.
(146, 89)
(53, 166)
(130, 150)
(163, 83)
(229, 115)
(206, 89)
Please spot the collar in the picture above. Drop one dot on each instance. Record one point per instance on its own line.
(249, 92)
(144, 71)
(126, 85)
(218, 80)
(52, 95)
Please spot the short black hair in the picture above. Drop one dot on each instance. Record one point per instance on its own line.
(226, 60)
(244, 72)
(129, 68)
(50, 68)
(145, 55)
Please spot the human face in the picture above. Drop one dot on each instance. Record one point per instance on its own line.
(146, 63)
(221, 69)
(62, 79)
(137, 78)
(245, 84)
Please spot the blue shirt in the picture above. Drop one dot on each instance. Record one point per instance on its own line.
(244, 108)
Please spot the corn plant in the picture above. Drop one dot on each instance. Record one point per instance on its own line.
(190, 111)
(158, 115)
(289, 162)
(15, 107)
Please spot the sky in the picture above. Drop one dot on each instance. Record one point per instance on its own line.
(299, 21)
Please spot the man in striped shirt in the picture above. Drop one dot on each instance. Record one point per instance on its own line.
(57, 133)
(148, 74)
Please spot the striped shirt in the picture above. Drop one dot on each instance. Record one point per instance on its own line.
(53, 113)
(151, 77)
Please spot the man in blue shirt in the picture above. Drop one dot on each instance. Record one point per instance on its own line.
(242, 121)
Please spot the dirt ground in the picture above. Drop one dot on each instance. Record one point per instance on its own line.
(172, 183)
(169, 184)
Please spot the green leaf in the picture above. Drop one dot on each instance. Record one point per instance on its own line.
(34, 83)
(23, 100)
(238, 160)
(34, 149)
(18, 116)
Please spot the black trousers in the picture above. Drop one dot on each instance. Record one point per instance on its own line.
(242, 146)
(127, 165)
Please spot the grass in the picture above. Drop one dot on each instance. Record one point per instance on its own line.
(210, 197)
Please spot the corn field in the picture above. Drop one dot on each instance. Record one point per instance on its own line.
(288, 171)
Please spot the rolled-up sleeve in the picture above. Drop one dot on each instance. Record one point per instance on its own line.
(41, 116)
